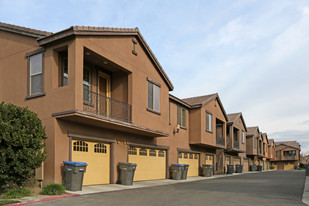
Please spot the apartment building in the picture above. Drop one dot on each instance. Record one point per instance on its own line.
(254, 145)
(235, 152)
(287, 155)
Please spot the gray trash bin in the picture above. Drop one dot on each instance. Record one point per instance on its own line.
(239, 168)
(207, 170)
(177, 170)
(307, 169)
(253, 167)
(259, 168)
(230, 169)
(127, 171)
(185, 172)
(74, 175)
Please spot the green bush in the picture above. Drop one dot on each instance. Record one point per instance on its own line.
(6, 202)
(22, 142)
(53, 189)
(272, 167)
(17, 192)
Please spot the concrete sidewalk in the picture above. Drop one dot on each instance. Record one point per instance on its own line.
(306, 191)
(150, 183)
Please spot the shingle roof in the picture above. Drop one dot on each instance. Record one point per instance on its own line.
(270, 141)
(294, 144)
(23, 30)
(251, 130)
(200, 100)
(233, 116)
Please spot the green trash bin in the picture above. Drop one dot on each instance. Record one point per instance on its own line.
(127, 171)
(230, 169)
(177, 170)
(74, 175)
(185, 172)
(259, 168)
(207, 170)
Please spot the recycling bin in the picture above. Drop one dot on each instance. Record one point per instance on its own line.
(74, 175)
(307, 169)
(230, 169)
(185, 172)
(239, 168)
(259, 168)
(207, 170)
(126, 171)
(253, 167)
(177, 170)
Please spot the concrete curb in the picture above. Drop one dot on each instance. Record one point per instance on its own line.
(305, 198)
(43, 199)
(150, 183)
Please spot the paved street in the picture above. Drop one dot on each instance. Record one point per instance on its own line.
(269, 188)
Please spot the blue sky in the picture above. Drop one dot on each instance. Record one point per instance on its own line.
(254, 53)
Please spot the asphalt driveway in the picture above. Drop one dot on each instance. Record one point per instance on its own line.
(268, 188)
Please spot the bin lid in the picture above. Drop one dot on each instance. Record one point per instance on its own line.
(179, 164)
(74, 163)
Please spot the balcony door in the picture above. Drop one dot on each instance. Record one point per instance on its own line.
(104, 91)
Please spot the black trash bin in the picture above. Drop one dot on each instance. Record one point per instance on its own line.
(207, 170)
(230, 169)
(185, 172)
(239, 168)
(74, 175)
(177, 170)
(126, 171)
(307, 169)
(253, 167)
(259, 168)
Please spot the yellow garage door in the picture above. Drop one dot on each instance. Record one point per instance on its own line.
(151, 163)
(246, 165)
(192, 160)
(209, 160)
(97, 156)
(288, 166)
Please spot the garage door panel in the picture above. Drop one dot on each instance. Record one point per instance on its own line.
(97, 157)
(192, 160)
(151, 164)
(289, 166)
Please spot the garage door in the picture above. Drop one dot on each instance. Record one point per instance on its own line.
(151, 163)
(97, 156)
(275, 166)
(288, 166)
(246, 165)
(209, 159)
(192, 160)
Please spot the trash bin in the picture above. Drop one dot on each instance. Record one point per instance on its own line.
(185, 172)
(177, 170)
(252, 167)
(230, 169)
(207, 170)
(239, 168)
(127, 171)
(74, 175)
(307, 169)
(259, 168)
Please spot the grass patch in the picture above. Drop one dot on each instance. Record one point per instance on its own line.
(53, 189)
(17, 192)
(5, 202)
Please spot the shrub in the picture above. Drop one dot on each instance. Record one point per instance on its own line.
(53, 189)
(6, 202)
(22, 139)
(17, 192)
(272, 167)
(301, 165)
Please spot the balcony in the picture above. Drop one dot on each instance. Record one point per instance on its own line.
(236, 144)
(106, 107)
(220, 141)
(289, 157)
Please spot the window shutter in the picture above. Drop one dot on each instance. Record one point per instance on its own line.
(178, 116)
(150, 96)
(156, 97)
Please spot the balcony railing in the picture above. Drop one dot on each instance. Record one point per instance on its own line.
(293, 157)
(220, 141)
(236, 144)
(107, 107)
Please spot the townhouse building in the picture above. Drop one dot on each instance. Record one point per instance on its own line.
(287, 155)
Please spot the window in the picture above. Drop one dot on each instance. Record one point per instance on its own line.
(143, 152)
(153, 97)
(254, 143)
(191, 156)
(243, 137)
(185, 156)
(80, 146)
(132, 151)
(161, 153)
(36, 74)
(196, 156)
(208, 122)
(180, 155)
(99, 148)
(63, 65)
(181, 117)
(152, 153)
(86, 84)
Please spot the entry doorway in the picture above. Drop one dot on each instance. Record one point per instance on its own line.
(104, 91)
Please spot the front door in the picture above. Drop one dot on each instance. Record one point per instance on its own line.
(104, 101)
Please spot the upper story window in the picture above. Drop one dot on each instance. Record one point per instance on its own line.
(87, 84)
(254, 143)
(243, 137)
(153, 96)
(208, 122)
(181, 117)
(36, 74)
(63, 66)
